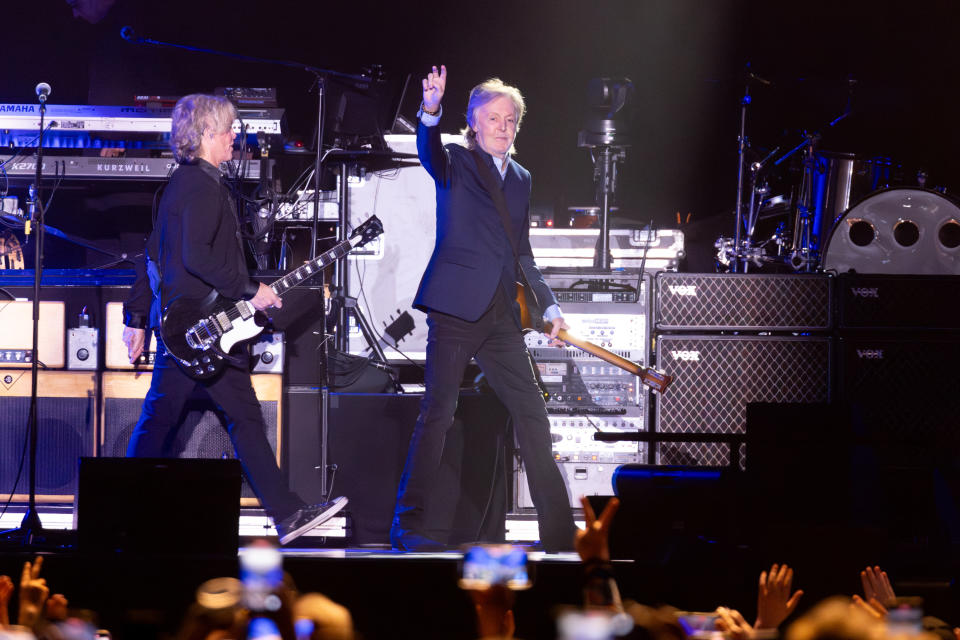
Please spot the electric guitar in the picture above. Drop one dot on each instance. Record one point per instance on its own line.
(199, 333)
(653, 378)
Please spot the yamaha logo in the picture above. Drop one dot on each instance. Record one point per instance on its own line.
(17, 108)
(865, 292)
(683, 289)
(686, 356)
(870, 354)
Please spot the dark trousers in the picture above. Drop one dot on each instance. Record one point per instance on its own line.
(232, 392)
(497, 344)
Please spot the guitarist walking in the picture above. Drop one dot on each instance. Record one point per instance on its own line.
(194, 250)
(468, 290)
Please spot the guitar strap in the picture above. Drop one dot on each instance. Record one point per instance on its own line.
(496, 194)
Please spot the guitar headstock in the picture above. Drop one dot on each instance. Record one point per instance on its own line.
(370, 229)
(655, 379)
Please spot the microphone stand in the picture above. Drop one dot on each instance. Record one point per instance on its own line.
(321, 76)
(30, 526)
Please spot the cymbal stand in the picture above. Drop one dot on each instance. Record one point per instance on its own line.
(742, 144)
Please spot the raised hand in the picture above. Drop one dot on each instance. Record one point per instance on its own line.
(872, 608)
(774, 601)
(6, 591)
(56, 608)
(593, 542)
(876, 585)
(33, 593)
(733, 625)
(433, 87)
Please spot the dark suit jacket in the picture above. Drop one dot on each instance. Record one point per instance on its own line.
(472, 256)
(195, 242)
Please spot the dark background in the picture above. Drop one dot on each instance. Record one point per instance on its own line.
(685, 57)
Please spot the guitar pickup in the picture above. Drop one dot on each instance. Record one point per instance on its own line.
(223, 321)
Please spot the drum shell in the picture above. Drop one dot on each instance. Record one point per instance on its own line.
(880, 215)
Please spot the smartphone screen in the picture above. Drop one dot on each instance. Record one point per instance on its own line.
(485, 565)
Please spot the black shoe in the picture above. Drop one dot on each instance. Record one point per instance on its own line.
(408, 540)
(307, 518)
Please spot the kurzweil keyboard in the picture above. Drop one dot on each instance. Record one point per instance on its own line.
(64, 117)
(93, 168)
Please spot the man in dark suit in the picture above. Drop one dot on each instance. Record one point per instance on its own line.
(468, 292)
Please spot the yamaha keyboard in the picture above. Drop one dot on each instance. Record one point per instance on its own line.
(94, 127)
(93, 168)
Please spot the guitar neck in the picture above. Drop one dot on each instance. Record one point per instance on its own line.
(598, 351)
(310, 268)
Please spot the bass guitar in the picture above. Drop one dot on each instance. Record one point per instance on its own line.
(199, 333)
(650, 377)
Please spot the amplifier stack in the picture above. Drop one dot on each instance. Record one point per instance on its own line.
(732, 339)
(89, 395)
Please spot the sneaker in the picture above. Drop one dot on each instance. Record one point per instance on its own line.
(307, 518)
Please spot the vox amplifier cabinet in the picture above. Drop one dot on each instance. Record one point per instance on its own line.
(115, 351)
(16, 338)
(714, 377)
(748, 302)
(66, 431)
(202, 433)
(580, 478)
(877, 373)
(898, 302)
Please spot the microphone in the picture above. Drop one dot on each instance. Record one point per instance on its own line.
(128, 34)
(43, 90)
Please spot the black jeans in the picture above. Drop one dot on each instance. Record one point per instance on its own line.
(497, 344)
(232, 391)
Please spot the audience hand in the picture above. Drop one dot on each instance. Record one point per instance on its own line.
(494, 607)
(774, 602)
(593, 542)
(876, 585)
(732, 623)
(872, 608)
(33, 593)
(6, 591)
(56, 608)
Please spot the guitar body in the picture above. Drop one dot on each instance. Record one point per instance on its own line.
(200, 333)
(199, 338)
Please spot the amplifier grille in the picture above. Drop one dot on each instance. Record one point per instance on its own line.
(698, 301)
(715, 377)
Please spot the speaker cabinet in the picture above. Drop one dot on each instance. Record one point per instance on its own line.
(716, 376)
(759, 302)
(66, 431)
(903, 390)
(202, 434)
